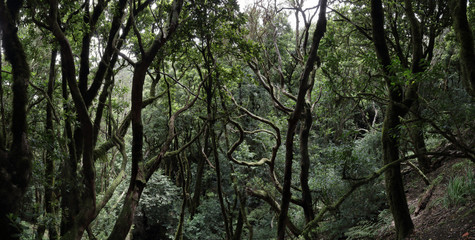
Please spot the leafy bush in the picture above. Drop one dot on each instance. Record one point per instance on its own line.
(359, 212)
(207, 223)
(263, 223)
(460, 189)
(159, 206)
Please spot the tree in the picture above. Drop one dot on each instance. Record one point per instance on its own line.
(464, 34)
(394, 110)
(222, 104)
(304, 85)
(275, 83)
(141, 171)
(15, 162)
(80, 210)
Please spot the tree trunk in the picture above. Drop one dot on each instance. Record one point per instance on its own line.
(305, 165)
(15, 165)
(242, 218)
(220, 191)
(393, 178)
(201, 161)
(390, 136)
(464, 35)
(195, 201)
(185, 172)
(84, 145)
(263, 195)
(49, 160)
(412, 102)
(69, 190)
(417, 136)
(126, 216)
(304, 85)
(140, 175)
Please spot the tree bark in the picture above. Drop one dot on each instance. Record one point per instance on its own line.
(87, 203)
(15, 165)
(195, 201)
(305, 166)
(464, 35)
(390, 135)
(393, 177)
(261, 194)
(69, 192)
(49, 160)
(304, 85)
(109, 56)
(185, 181)
(126, 216)
(417, 136)
(201, 161)
(219, 186)
(416, 130)
(140, 174)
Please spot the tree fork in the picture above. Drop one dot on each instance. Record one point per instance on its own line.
(295, 116)
(394, 184)
(140, 172)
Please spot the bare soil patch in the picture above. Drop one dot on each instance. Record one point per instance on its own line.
(437, 221)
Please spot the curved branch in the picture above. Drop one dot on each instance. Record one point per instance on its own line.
(304, 86)
(233, 148)
(152, 165)
(120, 132)
(270, 89)
(186, 145)
(275, 148)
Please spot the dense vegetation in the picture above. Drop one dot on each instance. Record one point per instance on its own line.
(203, 120)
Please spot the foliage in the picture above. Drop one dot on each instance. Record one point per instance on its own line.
(365, 230)
(208, 223)
(247, 65)
(461, 188)
(159, 204)
(263, 223)
(104, 222)
(343, 165)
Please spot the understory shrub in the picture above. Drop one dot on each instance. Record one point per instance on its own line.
(460, 189)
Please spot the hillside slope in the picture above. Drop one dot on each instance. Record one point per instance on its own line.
(449, 211)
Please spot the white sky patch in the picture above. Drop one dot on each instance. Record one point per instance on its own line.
(307, 4)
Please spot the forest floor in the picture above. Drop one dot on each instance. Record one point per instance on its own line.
(438, 220)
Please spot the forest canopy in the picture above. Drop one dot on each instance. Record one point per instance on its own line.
(213, 119)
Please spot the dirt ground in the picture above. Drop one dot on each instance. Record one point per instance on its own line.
(436, 221)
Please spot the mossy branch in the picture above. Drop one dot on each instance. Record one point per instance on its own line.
(233, 148)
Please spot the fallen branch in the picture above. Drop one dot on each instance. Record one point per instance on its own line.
(313, 224)
(426, 196)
